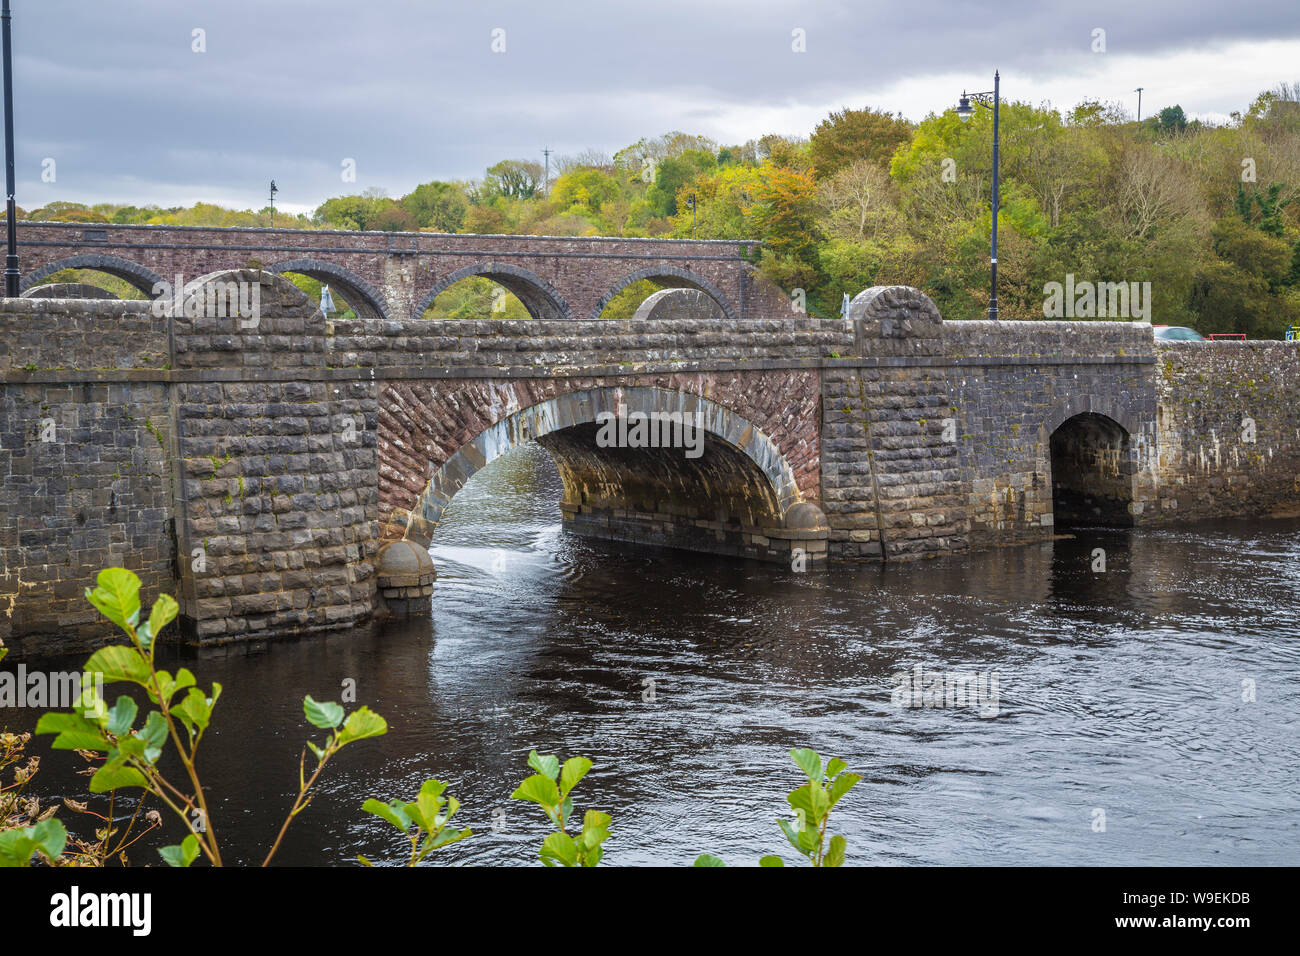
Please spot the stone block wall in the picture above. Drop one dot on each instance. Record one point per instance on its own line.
(1213, 395)
(277, 463)
(84, 464)
(1012, 384)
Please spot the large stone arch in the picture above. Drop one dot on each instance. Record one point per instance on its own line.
(574, 411)
(671, 277)
(132, 272)
(540, 298)
(367, 301)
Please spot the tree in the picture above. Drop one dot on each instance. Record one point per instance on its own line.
(437, 205)
(514, 179)
(672, 174)
(1172, 119)
(849, 135)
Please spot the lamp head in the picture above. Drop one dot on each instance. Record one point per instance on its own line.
(964, 109)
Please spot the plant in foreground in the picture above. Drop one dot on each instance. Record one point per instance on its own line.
(549, 788)
(812, 804)
(131, 753)
(423, 820)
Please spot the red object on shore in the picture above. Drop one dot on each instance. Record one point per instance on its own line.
(1228, 335)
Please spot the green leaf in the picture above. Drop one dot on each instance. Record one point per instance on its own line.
(170, 687)
(51, 837)
(119, 663)
(184, 854)
(115, 776)
(575, 768)
(394, 812)
(771, 861)
(539, 789)
(74, 732)
(548, 766)
(326, 716)
(835, 766)
(791, 834)
(809, 762)
(560, 847)
(122, 716)
(595, 828)
(163, 613)
(842, 785)
(449, 836)
(362, 723)
(117, 596)
(17, 845)
(320, 754)
(835, 854)
(705, 859)
(195, 709)
(154, 735)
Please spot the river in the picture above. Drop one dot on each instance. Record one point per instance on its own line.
(1145, 714)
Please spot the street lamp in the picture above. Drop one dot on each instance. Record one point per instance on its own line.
(11, 227)
(273, 192)
(965, 111)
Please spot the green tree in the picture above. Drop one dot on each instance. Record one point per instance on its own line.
(850, 135)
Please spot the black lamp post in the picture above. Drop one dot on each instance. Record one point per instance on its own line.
(965, 111)
(11, 255)
(273, 192)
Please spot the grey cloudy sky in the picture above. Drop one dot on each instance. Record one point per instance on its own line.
(287, 89)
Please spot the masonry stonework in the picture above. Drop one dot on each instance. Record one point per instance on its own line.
(256, 465)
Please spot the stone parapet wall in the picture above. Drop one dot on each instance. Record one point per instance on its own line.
(1214, 397)
(39, 334)
(560, 347)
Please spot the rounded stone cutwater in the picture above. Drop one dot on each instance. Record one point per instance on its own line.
(405, 578)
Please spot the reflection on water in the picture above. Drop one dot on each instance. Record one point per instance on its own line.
(1120, 691)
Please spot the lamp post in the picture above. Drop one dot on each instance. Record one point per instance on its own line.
(1138, 91)
(965, 111)
(11, 254)
(273, 192)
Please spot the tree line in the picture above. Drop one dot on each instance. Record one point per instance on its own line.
(1208, 214)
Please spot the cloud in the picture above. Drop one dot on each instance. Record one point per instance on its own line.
(413, 91)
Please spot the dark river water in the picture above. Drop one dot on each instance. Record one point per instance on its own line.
(1120, 693)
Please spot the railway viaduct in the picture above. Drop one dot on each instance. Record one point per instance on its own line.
(396, 275)
(257, 466)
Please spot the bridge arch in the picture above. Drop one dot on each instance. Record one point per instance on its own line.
(671, 277)
(367, 301)
(741, 477)
(132, 272)
(540, 298)
(1094, 466)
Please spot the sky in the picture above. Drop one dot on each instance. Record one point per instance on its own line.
(125, 102)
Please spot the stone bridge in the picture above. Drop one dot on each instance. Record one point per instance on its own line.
(256, 467)
(396, 275)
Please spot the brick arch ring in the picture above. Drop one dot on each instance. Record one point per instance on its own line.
(540, 298)
(580, 408)
(132, 272)
(680, 278)
(367, 301)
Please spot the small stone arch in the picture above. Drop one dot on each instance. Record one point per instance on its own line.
(367, 301)
(1080, 404)
(672, 277)
(540, 298)
(132, 272)
(583, 408)
(1093, 466)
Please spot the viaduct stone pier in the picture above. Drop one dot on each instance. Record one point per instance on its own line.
(255, 467)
